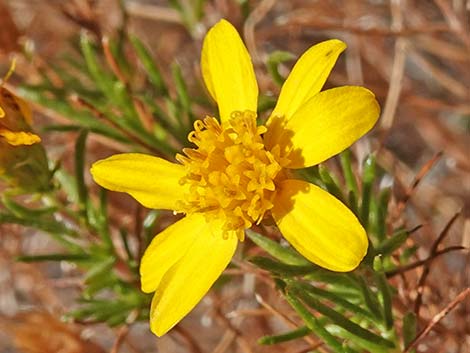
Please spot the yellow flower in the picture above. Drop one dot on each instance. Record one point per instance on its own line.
(23, 161)
(15, 117)
(238, 173)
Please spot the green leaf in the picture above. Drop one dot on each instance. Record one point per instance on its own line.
(337, 300)
(352, 203)
(368, 177)
(384, 290)
(370, 299)
(182, 91)
(25, 212)
(121, 98)
(47, 225)
(409, 328)
(365, 345)
(265, 103)
(101, 78)
(312, 175)
(389, 245)
(96, 286)
(384, 198)
(281, 268)
(288, 336)
(99, 309)
(345, 159)
(151, 69)
(102, 221)
(274, 60)
(82, 192)
(81, 117)
(313, 324)
(60, 128)
(117, 319)
(330, 183)
(408, 253)
(276, 250)
(340, 319)
(342, 283)
(54, 257)
(100, 270)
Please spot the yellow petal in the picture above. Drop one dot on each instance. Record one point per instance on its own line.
(319, 226)
(167, 248)
(19, 138)
(185, 283)
(329, 123)
(152, 181)
(307, 76)
(228, 71)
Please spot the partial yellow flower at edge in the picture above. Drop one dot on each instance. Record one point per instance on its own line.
(238, 173)
(23, 160)
(15, 117)
(19, 138)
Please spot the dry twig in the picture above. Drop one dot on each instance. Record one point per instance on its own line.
(458, 299)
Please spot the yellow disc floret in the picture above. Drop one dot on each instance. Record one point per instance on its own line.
(232, 176)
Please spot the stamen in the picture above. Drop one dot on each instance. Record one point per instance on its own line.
(232, 176)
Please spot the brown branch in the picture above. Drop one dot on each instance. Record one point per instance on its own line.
(421, 174)
(83, 14)
(111, 61)
(140, 108)
(233, 332)
(377, 31)
(153, 12)
(427, 267)
(458, 299)
(258, 13)
(189, 339)
(419, 263)
(436, 104)
(83, 103)
(454, 22)
(121, 335)
(442, 77)
(398, 68)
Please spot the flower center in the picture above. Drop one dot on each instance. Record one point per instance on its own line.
(230, 173)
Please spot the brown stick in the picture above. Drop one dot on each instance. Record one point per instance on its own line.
(460, 298)
(81, 102)
(258, 13)
(421, 174)
(427, 267)
(122, 333)
(112, 62)
(426, 261)
(189, 339)
(375, 31)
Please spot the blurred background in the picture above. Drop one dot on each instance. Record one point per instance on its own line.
(414, 55)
